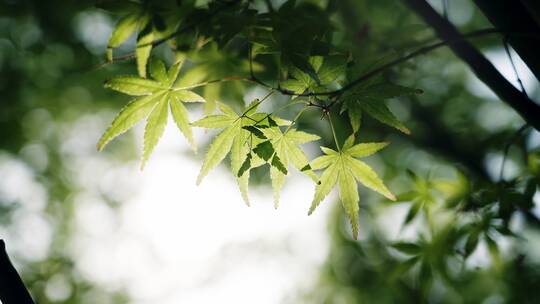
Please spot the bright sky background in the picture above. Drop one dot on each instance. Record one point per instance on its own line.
(173, 241)
(179, 243)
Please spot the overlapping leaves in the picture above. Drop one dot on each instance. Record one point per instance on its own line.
(297, 35)
(286, 145)
(253, 139)
(150, 21)
(325, 71)
(243, 139)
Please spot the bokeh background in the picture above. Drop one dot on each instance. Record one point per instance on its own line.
(89, 227)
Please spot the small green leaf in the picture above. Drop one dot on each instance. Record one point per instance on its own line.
(123, 29)
(378, 110)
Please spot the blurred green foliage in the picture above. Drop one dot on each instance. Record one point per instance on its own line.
(462, 229)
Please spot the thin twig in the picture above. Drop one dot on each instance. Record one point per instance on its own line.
(333, 130)
(295, 119)
(421, 51)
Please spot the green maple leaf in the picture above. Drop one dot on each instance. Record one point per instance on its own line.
(139, 21)
(156, 96)
(148, 21)
(422, 197)
(286, 147)
(370, 100)
(326, 70)
(343, 168)
(236, 138)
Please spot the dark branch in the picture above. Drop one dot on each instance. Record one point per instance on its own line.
(483, 69)
(12, 289)
(513, 16)
(421, 51)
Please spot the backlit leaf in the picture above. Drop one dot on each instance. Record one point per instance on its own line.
(154, 127)
(160, 97)
(343, 168)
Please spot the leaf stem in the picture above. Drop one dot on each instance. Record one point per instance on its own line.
(333, 130)
(257, 103)
(295, 119)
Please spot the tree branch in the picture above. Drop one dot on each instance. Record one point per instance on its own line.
(12, 289)
(419, 52)
(482, 68)
(513, 16)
